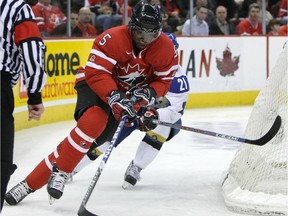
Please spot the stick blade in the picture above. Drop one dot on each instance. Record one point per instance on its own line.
(84, 212)
(269, 135)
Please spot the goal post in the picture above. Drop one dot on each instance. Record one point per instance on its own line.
(257, 179)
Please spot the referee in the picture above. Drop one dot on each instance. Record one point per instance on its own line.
(21, 52)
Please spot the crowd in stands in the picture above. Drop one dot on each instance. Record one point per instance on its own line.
(210, 17)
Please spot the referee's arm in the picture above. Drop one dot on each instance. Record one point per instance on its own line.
(28, 39)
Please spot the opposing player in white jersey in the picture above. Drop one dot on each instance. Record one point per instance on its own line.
(170, 109)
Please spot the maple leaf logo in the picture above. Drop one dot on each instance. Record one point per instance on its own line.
(227, 65)
(92, 58)
(133, 75)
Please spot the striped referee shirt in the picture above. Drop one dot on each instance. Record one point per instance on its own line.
(21, 47)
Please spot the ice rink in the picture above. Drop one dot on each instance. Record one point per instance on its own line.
(184, 180)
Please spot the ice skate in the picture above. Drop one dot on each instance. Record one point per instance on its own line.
(132, 175)
(18, 193)
(56, 183)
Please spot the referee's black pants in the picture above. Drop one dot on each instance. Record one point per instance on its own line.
(7, 133)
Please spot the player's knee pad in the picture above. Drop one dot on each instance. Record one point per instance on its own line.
(155, 140)
(93, 154)
(93, 121)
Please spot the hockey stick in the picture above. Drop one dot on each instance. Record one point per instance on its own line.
(259, 142)
(82, 210)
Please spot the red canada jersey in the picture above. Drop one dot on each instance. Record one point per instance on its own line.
(48, 17)
(88, 31)
(113, 64)
(246, 26)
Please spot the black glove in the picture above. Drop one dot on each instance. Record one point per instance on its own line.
(145, 96)
(121, 106)
(149, 120)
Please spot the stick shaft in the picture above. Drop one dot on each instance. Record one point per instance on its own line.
(82, 210)
(261, 141)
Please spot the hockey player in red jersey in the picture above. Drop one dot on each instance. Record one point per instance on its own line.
(139, 57)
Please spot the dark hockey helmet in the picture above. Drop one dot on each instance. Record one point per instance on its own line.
(145, 25)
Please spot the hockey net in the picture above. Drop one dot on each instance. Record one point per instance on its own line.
(257, 179)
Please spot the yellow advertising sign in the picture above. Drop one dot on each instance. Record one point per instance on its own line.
(62, 59)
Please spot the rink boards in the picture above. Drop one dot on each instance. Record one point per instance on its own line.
(222, 71)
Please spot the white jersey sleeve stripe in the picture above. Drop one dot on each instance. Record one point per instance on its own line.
(167, 78)
(165, 73)
(93, 65)
(102, 55)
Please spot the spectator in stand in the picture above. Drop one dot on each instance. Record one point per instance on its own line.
(283, 13)
(84, 27)
(199, 25)
(273, 7)
(61, 4)
(231, 7)
(62, 29)
(273, 27)
(94, 5)
(174, 14)
(221, 26)
(74, 19)
(283, 30)
(268, 15)
(165, 26)
(109, 15)
(210, 18)
(243, 11)
(48, 17)
(116, 18)
(245, 7)
(184, 6)
(251, 25)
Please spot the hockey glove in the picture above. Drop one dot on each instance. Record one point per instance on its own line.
(145, 96)
(149, 120)
(122, 106)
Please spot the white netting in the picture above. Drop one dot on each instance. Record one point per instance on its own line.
(257, 180)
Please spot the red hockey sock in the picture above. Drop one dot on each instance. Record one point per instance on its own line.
(40, 175)
(75, 146)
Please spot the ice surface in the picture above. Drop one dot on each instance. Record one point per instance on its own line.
(184, 180)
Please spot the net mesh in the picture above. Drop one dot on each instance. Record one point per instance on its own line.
(257, 180)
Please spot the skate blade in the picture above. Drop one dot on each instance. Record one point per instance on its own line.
(126, 185)
(51, 199)
(70, 179)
